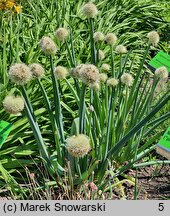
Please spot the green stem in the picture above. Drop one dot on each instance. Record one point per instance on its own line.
(160, 119)
(82, 110)
(97, 53)
(135, 158)
(70, 55)
(52, 119)
(79, 173)
(135, 129)
(57, 104)
(157, 123)
(144, 108)
(92, 44)
(25, 95)
(71, 174)
(112, 61)
(126, 167)
(72, 48)
(150, 163)
(120, 67)
(73, 92)
(109, 123)
(39, 140)
(73, 62)
(136, 186)
(94, 104)
(140, 68)
(138, 99)
(133, 89)
(77, 86)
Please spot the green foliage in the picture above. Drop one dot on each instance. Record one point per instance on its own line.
(122, 125)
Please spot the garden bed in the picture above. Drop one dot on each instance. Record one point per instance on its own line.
(153, 183)
(84, 108)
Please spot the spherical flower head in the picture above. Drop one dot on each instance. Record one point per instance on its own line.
(95, 86)
(60, 72)
(78, 146)
(89, 74)
(103, 77)
(37, 70)
(101, 55)
(105, 67)
(111, 38)
(153, 38)
(89, 10)
(121, 49)
(48, 46)
(61, 34)
(112, 82)
(13, 104)
(98, 36)
(127, 79)
(20, 74)
(75, 72)
(161, 73)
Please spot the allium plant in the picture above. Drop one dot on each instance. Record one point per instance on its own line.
(116, 106)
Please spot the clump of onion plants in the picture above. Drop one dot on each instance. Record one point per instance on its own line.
(115, 106)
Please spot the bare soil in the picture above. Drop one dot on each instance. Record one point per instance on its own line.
(153, 183)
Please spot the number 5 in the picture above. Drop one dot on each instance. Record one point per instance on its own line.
(161, 207)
